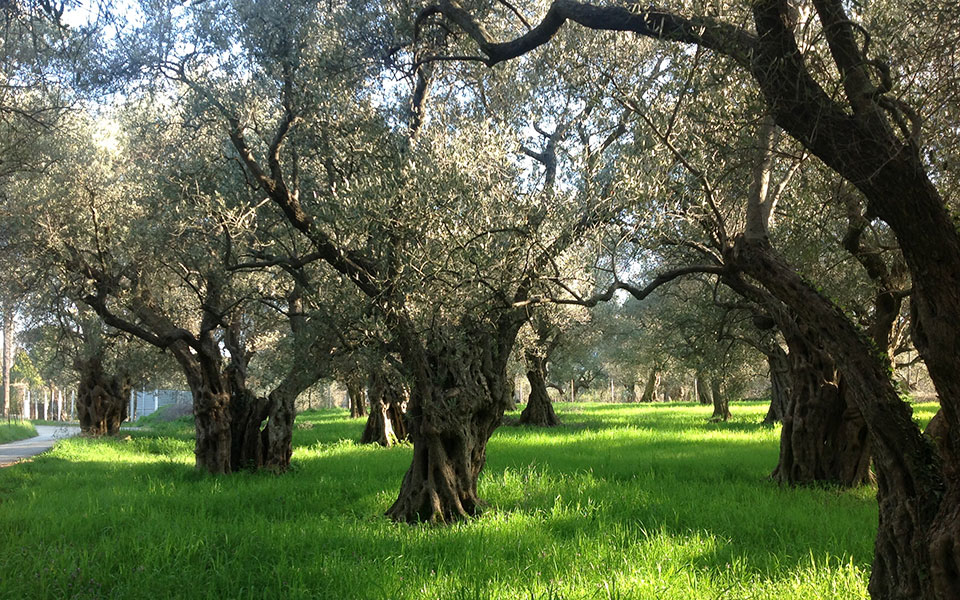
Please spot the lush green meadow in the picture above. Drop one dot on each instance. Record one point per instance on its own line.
(623, 501)
(16, 430)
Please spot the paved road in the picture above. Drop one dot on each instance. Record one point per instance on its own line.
(47, 436)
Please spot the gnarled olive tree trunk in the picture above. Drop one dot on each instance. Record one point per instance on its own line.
(356, 392)
(702, 389)
(459, 396)
(650, 388)
(824, 437)
(279, 410)
(262, 427)
(227, 415)
(235, 428)
(721, 404)
(385, 425)
(101, 399)
(213, 419)
(539, 410)
(914, 550)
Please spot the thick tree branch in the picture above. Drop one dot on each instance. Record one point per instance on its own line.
(727, 39)
(637, 292)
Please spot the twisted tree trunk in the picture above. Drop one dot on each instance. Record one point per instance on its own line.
(539, 410)
(101, 400)
(460, 393)
(721, 404)
(357, 393)
(213, 423)
(824, 437)
(385, 425)
(915, 550)
(650, 389)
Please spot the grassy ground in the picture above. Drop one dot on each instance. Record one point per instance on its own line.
(15, 430)
(621, 502)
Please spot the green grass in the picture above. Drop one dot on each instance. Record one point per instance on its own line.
(15, 431)
(623, 501)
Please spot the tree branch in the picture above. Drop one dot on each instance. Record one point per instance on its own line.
(727, 39)
(641, 293)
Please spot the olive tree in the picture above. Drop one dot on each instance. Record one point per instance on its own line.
(872, 139)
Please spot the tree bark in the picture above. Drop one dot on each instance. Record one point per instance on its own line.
(824, 438)
(539, 410)
(721, 404)
(915, 539)
(515, 393)
(247, 413)
(459, 397)
(213, 447)
(357, 395)
(385, 425)
(649, 390)
(101, 400)
(780, 386)
(7, 356)
(261, 428)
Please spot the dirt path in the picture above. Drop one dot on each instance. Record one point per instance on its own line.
(47, 436)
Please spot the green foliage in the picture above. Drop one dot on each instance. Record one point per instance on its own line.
(12, 432)
(24, 371)
(621, 502)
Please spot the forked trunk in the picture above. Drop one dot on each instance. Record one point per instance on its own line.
(358, 397)
(385, 425)
(539, 410)
(101, 400)
(721, 404)
(649, 390)
(280, 408)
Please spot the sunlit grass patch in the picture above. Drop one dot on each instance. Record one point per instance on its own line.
(16, 431)
(622, 501)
